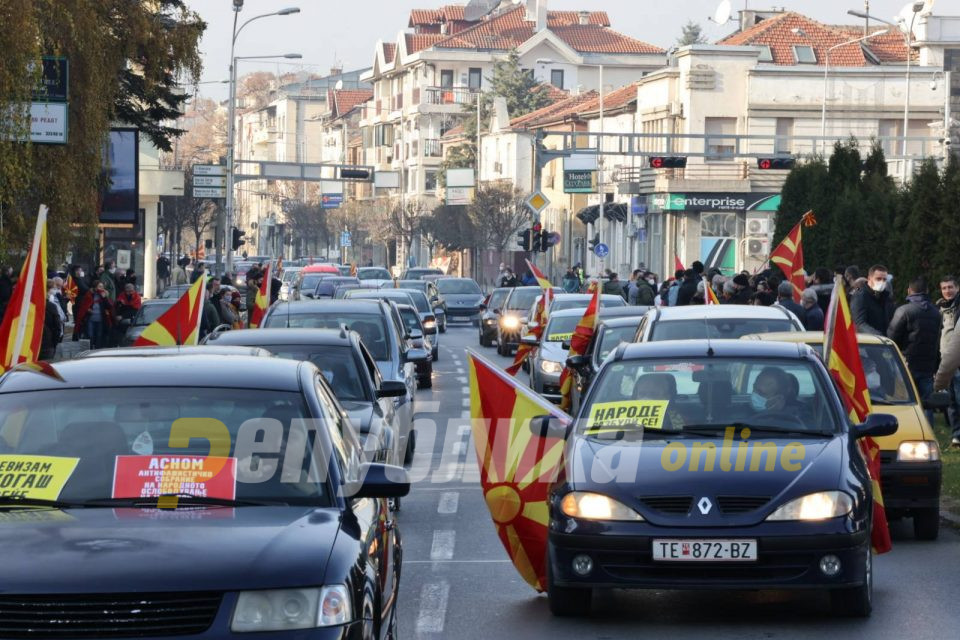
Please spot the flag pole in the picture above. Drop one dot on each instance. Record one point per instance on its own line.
(26, 298)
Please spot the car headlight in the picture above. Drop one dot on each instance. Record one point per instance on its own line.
(594, 506)
(285, 609)
(549, 366)
(814, 506)
(510, 322)
(489, 321)
(430, 324)
(918, 451)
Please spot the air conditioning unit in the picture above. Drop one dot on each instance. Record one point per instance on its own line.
(676, 109)
(758, 247)
(758, 226)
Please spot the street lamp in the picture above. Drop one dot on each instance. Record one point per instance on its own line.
(826, 71)
(231, 108)
(915, 9)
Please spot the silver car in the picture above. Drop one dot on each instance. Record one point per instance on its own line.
(721, 322)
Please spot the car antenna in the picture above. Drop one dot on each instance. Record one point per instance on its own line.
(706, 324)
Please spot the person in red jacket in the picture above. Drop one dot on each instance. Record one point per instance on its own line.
(95, 312)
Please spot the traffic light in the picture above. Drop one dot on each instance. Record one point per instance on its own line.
(237, 240)
(536, 237)
(354, 174)
(594, 241)
(781, 164)
(668, 162)
(523, 240)
(545, 240)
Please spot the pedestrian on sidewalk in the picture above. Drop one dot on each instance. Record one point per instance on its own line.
(179, 274)
(163, 272)
(96, 314)
(915, 328)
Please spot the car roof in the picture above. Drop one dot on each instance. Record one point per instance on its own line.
(734, 311)
(150, 352)
(583, 296)
(815, 337)
(182, 370)
(320, 268)
(267, 336)
(453, 278)
(361, 305)
(616, 323)
(713, 348)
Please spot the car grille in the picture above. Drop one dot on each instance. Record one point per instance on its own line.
(741, 504)
(111, 615)
(673, 505)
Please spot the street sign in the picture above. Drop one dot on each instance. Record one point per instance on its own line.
(579, 181)
(54, 81)
(601, 250)
(537, 202)
(345, 239)
(209, 181)
(48, 122)
(209, 170)
(459, 196)
(209, 192)
(331, 200)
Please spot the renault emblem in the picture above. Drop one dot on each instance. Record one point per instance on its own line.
(704, 505)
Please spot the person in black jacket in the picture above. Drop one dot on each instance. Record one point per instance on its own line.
(916, 330)
(872, 305)
(785, 300)
(52, 331)
(688, 288)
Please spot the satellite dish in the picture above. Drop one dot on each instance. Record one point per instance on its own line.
(722, 14)
(906, 15)
(478, 9)
(339, 85)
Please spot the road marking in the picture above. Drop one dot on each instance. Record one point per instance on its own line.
(433, 607)
(449, 501)
(464, 429)
(430, 406)
(465, 414)
(405, 561)
(458, 448)
(462, 379)
(443, 543)
(459, 369)
(466, 402)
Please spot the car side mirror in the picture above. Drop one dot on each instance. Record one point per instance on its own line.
(391, 389)
(416, 355)
(549, 426)
(530, 340)
(876, 425)
(483, 307)
(566, 345)
(578, 362)
(496, 311)
(937, 401)
(379, 481)
(306, 294)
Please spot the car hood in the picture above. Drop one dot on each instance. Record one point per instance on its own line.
(216, 549)
(463, 299)
(639, 471)
(912, 425)
(552, 351)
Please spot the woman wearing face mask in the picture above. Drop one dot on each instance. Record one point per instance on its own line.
(80, 280)
(95, 312)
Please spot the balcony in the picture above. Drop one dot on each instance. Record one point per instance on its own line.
(449, 96)
(432, 148)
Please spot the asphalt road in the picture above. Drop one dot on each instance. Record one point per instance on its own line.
(457, 581)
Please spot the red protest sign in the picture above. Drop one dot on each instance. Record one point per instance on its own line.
(151, 476)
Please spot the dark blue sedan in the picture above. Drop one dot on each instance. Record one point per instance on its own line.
(712, 465)
(190, 496)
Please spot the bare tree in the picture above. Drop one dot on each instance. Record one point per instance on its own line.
(498, 213)
(404, 221)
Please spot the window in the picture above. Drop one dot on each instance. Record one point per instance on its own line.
(784, 128)
(556, 78)
(720, 142)
(475, 78)
(804, 54)
(430, 182)
(765, 54)
(446, 78)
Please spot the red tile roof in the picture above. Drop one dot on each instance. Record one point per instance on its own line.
(422, 17)
(344, 101)
(778, 33)
(616, 99)
(569, 18)
(557, 112)
(389, 51)
(554, 93)
(419, 41)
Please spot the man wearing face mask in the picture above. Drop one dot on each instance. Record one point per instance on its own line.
(916, 330)
(872, 305)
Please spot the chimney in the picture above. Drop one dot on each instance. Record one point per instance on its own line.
(584, 17)
(537, 12)
(336, 71)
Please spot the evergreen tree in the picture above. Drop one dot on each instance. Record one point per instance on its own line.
(946, 253)
(692, 34)
(917, 229)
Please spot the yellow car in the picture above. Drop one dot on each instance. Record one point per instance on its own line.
(910, 458)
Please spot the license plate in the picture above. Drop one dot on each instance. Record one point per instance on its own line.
(704, 550)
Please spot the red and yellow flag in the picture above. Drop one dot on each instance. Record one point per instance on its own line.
(70, 289)
(539, 318)
(842, 355)
(709, 295)
(262, 302)
(22, 327)
(180, 324)
(516, 467)
(578, 346)
(677, 265)
(789, 255)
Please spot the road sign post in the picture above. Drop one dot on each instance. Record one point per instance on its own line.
(601, 250)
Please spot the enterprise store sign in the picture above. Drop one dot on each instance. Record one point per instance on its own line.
(716, 201)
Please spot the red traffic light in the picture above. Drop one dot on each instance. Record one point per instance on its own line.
(656, 163)
(781, 164)
(537, 227)
(764, 163)
(668, 162)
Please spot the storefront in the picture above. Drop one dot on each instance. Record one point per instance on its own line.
(729, 231)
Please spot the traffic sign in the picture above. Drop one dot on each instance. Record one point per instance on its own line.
(537, 202)
(331, 200)
(209, 170)
(209, 181)
(209, 192)
(345, 239)
(601, 250)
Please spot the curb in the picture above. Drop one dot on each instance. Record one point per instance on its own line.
(950, 510)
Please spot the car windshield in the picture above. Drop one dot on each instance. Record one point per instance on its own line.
(887, 378)
(400, 297)
(311, 280)
(560, 328)
(174, 292)
(613, 336)
(454, 287)
(497, 298)
(97, 444)
(373, 273)
(522, 299)
(574, 303)
(420, 299)
(711, 394)
(149, 313)
(337, 364)
(418, 285)
(370, 326)
(289, 276)
(717, 328)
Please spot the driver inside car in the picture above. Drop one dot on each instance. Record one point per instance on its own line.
(771, 391)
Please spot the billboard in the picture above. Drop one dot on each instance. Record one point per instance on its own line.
(120, 199)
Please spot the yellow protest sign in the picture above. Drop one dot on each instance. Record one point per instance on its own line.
(38, 477)
(559, 337)
(646, 414)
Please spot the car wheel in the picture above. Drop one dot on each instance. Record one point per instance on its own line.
(411, 448)
(484, 340)
(435, 354)
(855, 602)
(926, 523)
(425, 382)
(566, 602)
(443, 327)
(392, 631)
(500, 348)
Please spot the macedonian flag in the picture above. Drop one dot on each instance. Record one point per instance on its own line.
(709, 295)
(842, 355)
(22, 327)
(180, 324)
(789, 255)
(262, 302)
(578, 346)
(516, 467)
(70, 289)
(539, 319)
